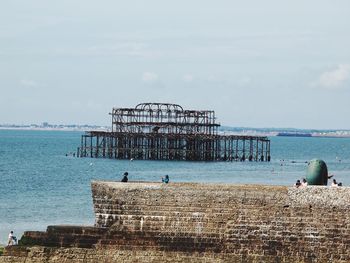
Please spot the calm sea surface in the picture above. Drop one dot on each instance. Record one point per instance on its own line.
(40, 186)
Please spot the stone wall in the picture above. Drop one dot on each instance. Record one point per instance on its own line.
(183, 222)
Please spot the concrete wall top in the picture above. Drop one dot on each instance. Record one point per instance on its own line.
(315, 196)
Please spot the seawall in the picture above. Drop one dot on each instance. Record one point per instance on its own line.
(187, 222)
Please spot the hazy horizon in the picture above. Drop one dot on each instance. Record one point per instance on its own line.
(221, 127)
(257, 64)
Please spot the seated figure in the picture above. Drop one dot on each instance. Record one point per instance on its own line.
(166, 179)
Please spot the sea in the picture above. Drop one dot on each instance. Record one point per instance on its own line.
(42, 183)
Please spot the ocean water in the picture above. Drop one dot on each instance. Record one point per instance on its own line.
(41, 186)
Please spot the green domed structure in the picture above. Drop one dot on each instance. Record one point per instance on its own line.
(317, 173)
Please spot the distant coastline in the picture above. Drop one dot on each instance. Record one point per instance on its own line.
(51, 129)
(287, 132)
(54, 127)
(294, 134)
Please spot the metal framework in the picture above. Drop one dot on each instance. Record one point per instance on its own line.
(162, 131)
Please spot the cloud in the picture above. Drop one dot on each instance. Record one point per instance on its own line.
(188, 78)
(149, 77)
(28, 83)
(118, 47)
(334, 78)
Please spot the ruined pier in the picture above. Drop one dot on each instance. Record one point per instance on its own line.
(162, 131)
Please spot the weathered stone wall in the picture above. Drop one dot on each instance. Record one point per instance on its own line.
(183, 222)
(263, 221)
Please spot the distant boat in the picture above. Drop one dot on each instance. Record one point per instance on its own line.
(294, 134)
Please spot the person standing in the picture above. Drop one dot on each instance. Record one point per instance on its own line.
(12, 239)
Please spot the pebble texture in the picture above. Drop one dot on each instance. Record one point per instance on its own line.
(188, 222)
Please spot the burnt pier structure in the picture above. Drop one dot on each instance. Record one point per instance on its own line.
(163, 131)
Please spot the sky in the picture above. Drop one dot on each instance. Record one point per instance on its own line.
(272, 63)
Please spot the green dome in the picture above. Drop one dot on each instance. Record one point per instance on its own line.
(317, 173)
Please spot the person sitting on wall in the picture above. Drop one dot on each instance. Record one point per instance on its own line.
(334, 183)
(125, 177)
(166, 179)
(304, 183)
(297, 184)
